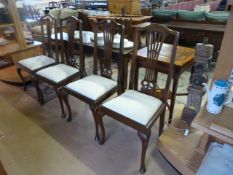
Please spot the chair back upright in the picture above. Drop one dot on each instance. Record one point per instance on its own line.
(156, 35)
(86, 21)
(109, 29)
(127, 22)
(71, 28)
(50, 46)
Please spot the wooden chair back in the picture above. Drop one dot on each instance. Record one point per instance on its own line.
(49, 45)
(156, 35)
(109, 29)
(72, 47)
(85, 20)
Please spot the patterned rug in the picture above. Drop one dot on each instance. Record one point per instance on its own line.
(47, 90)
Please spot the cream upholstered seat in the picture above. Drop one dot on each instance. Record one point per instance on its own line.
(93, 86)
(58, 72)
(141, 109)
(36, 62)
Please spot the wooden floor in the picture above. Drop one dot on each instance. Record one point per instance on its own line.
(38, 141)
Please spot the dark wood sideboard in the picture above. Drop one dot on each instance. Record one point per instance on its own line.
(194, 32)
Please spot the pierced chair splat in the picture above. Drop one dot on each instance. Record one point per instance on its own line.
(141, 109)
(94, 89)
(67, 71)
(50, 50)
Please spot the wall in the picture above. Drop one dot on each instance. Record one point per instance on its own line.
(225, 59)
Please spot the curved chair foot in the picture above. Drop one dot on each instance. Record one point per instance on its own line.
(101, 142)
(97, 138)
(63, 115)
(69, 119)
(145, 137)
(142, 170)
(99, 117)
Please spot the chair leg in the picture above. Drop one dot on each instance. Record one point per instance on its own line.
(19, 71)
(60, 100)
(39, 92)
(161, 121)
(94, 114)
(100, 121)
(64, 96)
(145, 137)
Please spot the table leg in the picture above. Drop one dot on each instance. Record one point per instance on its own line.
(173, 96)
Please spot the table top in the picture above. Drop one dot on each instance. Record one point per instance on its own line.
(142, 25)
(196, 26)
(184, 55)
(219, 126)
(13, 47)
(126, 51)
(188, 25)
(186, 159)
(135, 19)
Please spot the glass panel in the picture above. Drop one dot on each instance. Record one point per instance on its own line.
(4, 13)
(7, 35)
(27, 10)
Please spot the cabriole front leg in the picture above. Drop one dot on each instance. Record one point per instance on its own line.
(64, 97)
(94, 114)
(145, 137)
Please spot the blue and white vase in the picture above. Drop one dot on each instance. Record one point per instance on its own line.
(216, 96)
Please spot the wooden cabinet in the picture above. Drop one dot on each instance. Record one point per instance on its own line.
(193, 32)
(132, 7)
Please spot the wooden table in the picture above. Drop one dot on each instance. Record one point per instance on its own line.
(12, 49)
(187, 159)
(135, 19)
(219, 126)
(193, 33)
(182, 151)
(183, 61)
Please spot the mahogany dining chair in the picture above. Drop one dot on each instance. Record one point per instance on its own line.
(96, 88)
(140, 109)
(50, 54)
(69, 68)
